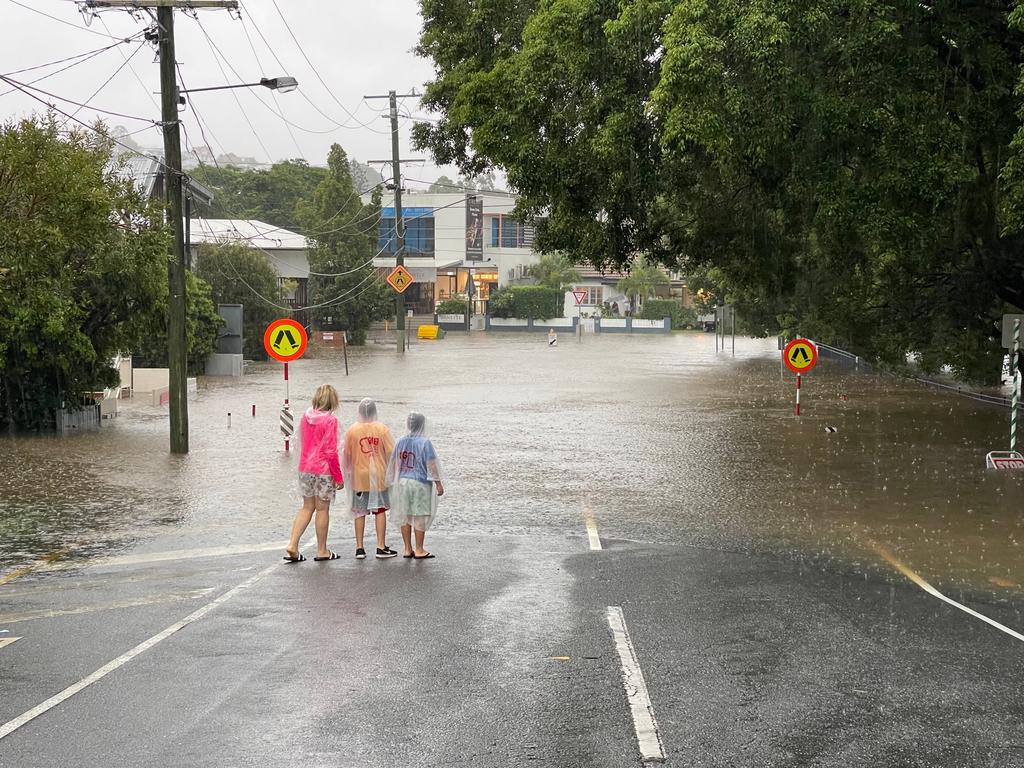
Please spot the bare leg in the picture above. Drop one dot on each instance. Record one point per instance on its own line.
(420, 551)
(360, 530)
(381, 522)
(302, 518)
(407, 540)
(323, 523)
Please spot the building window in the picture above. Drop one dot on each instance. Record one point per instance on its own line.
(506, 232)
(419, 233)
(595, 295)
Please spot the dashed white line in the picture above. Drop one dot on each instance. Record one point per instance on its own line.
(12, 725)
(640, 706)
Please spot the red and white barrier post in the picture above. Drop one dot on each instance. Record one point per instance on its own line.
(798, 377)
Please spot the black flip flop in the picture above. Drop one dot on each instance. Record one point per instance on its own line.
(406, 557)
(300, 559)
(423, 557)
(332, 556)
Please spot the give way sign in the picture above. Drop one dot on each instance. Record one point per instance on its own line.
(580, 297)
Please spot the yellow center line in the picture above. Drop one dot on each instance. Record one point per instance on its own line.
(906, 571)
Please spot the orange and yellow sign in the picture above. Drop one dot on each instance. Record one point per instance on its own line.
(400, 279)
(285, 340)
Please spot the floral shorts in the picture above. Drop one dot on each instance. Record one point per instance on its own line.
(318, 486)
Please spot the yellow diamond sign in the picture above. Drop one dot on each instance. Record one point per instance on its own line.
(400, 279)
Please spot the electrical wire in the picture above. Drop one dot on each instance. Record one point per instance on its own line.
(61, 21)
(134, 71)
(25, 88)
(279, 115)
(92, 55)
(106, 82)
(273, 93)
(214, 50)
(161, 163)
(86, 54)
(327, 88)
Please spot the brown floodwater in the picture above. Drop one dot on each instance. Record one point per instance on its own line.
(659, 438)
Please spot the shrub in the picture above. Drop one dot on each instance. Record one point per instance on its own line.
(535, 302)
(501, 303)
(658, 309)
(452, 307)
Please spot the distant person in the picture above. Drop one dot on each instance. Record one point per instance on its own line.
(319, 473)
(368, 445)
(552, 338)
(615, 308)
(414, 473)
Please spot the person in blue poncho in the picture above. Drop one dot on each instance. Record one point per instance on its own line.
(414, 475)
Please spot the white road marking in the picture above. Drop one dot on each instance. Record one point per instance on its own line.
(195, 594)
(186, 554)
(12, 725)
(595, 540)
(8, 640)
(646, 727)
(899, 566)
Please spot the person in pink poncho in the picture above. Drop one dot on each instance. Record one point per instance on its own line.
(319, 473)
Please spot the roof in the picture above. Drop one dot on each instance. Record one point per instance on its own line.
(252, 232)
(144, 170)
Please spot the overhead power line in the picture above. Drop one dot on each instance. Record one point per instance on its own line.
(24, 87)
(316, 73)
(61, 21)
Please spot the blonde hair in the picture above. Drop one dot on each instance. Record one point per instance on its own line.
(326, 398)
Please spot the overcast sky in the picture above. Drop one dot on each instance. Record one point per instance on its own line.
(356, 47)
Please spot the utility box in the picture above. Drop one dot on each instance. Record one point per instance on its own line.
(229, 342)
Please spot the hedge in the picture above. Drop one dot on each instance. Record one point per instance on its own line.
(659, 309)
(535, 302)
(452, 307)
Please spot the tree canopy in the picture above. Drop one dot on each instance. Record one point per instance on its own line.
(345, 289)
(848, 169)
(82, 258)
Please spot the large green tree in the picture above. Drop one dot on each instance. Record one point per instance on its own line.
(82, 257)
(270, 195)
(344, 288)
(847, 169)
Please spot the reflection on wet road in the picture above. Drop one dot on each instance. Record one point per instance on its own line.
(658, 439)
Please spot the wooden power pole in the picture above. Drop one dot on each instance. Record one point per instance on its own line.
(177, 350)
(396, 175)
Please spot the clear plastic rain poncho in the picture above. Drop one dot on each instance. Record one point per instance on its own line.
(412, 472)
(364, 462)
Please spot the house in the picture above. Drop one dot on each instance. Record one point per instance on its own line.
(287, 252)
(602, 288)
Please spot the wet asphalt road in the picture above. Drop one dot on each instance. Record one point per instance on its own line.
(770, 628)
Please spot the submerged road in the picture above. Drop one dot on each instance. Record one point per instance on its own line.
(560, 624)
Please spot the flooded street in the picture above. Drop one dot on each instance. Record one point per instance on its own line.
(641, 555)
(657, 439)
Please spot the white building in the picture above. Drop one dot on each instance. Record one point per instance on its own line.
(452, 238)
(287, 252)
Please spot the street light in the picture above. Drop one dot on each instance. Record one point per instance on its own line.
(282, 84)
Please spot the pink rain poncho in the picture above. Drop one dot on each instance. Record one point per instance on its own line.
(412, 472)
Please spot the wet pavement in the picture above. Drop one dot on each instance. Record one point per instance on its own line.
(755, 555)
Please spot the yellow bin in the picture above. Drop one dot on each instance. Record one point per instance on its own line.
(430, 332)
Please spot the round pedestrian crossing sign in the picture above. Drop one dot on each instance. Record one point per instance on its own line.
(285, 340)
(800, 355)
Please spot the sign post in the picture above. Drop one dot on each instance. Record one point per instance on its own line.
(580, 297)
(1014, 370)
(800, 356)
(286, 340)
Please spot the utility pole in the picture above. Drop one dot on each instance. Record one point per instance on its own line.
(177, 351)
(396, 175)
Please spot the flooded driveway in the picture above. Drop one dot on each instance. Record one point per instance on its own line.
(657, 439)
